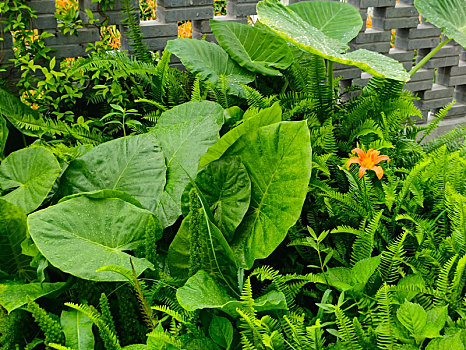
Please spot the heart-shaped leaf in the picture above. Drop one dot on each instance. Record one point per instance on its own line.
(293, 28)
(30, 174)
(449, 15)
(278, 160)
(82, 234)
(185, 133)
(257, 50)
(211, 62)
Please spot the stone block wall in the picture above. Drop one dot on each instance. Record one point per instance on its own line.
(397, 31)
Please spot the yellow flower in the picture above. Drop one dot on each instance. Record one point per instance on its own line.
(367, 161)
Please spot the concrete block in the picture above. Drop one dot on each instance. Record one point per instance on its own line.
(360, 4)
(168, 15)
(440, 62)
(155, 44)
(400, 10)
(448, 50)
(437, 92)
(383, 23)
(432, 104)
(73, 50)
(423, 31)
(382, 47)
(412, 44)
(444, 78)
(7, 42)
(241, 9)
(45, 22)
(155, 29)
(183, 3)
(458, 109)
(418, 85)
(348, 73)
(377, 3)
(423, 74)
(401, 55)
(460, 93)
(83, 35)
(372, 35)
(43, 6)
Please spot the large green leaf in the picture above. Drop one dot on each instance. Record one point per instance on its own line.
(30, 174)
(3, 135)
(13, 230)
(257, 50)
(337, 20)
(293, 28)
(447, 342)
(185, 133)
(226, 187)
(199, 244)
(221, 331)
(202, 291)
(78, 330)
(82, 234)
(15, 295)
(278, 160)
(210, 61)
(265, 117)
(449, 15)
(133, 164)
(412, 316)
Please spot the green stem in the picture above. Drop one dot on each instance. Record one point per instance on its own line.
(330, 79)
(428, 57)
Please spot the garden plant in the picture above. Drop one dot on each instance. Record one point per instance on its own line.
(245, 203)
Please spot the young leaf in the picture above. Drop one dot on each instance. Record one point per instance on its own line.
(78, 330)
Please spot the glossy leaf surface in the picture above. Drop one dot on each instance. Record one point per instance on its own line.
(13, 230)
(81, 235)
(78, 330)
(257, 50)
(13, 296)
(293, 28)
(133, 164)
(337, 20)
(449, 15)
(226, 187)
(185, 133)
(210, 61)
(278, 160)
(30, 174)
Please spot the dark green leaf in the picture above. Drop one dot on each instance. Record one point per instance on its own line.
(221, 331)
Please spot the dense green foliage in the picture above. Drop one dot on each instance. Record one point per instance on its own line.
(222, 207)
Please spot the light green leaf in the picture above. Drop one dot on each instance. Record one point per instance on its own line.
(221, 331)
(278, 160)
(337, 20)
(293, 28)
(102, 194)
(449, 15)
(185, 133)
(202, 291)
(133, 164)
(78, 330)
(412, 316)
(15, 295)
(226, 187)
(3, 135)
(265, 117)
(81, 235)
(210, 61)
(30, 174)
(13, 230)
(447, 342)
(257, 50)
(436, 318)
(364, 269)
(339, 277)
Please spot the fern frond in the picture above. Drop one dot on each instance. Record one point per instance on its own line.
(443, 282)
(346, 330)
(391, 259)
(364, 242)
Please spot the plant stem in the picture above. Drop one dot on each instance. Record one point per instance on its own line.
(330, 79)
(428, 57)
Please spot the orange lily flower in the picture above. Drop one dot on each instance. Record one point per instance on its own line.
(367, 161)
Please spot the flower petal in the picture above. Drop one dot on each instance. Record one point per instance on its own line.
(381, 158)
(359, 151)
(378, 171)
(352, 160)
(362, 170)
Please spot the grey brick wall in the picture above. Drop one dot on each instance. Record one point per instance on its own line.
(442, 79)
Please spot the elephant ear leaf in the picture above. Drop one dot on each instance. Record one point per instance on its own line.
(226, 187)
(200, 245)
(29, 174)
(278, 160)
(211, 62)
(449, 15)
(337, 20)
(82, 234)
(294, 28)
(13, 230)
(255, 49)
(185, 133)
